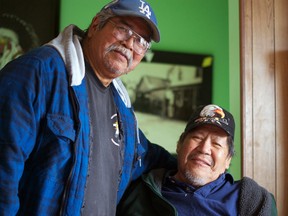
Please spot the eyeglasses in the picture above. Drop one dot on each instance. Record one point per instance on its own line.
(122, 33)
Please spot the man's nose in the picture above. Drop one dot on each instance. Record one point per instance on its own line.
(129, 43)
(205, 146)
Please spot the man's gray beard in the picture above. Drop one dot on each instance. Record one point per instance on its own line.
(194, 180)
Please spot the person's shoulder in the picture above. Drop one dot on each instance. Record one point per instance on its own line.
(249, 184)
(38, 56)
(254, 195)
(43, 53)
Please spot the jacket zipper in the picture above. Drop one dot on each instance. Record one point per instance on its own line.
(138, 140)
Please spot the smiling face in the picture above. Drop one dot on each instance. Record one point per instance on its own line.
(108, 56)
(203, 155)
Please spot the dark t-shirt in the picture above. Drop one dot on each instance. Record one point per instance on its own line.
(105, 159)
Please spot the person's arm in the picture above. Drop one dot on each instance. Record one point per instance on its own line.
(151, 156)
(17, 130)
(254, 199)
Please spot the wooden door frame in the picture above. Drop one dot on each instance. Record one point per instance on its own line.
(264, 99)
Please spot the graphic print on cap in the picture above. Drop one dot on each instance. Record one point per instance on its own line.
(145, 9)
(213, 114)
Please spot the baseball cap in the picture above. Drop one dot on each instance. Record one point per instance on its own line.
(138, 8)
(214, 115)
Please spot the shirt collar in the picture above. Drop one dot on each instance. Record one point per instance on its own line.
(204, 190)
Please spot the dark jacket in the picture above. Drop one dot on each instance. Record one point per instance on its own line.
(143, 197)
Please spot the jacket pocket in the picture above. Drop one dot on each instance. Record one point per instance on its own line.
(61, 126)
(48, 167)
(53, 153)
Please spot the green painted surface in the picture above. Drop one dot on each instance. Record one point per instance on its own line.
(192, 26)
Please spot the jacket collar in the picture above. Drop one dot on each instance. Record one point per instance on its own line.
(68, 44)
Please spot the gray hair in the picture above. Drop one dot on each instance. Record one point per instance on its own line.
(104, 16)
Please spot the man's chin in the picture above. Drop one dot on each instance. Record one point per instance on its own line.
(196, 179)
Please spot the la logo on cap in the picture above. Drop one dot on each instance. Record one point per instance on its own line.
(145, 9)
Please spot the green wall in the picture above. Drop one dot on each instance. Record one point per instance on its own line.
(192, 26)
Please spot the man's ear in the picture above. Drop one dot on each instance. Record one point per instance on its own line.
(178, 147)
(227, 163)
(180, 142)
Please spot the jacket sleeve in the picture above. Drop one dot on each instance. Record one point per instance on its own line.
(151, 156)
(17, 128)
(143, 197)
(255, 200)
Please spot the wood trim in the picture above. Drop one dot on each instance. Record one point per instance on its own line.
(281, 66)
(263, 93)
(246, 87)
(264, 98)
(258, 93)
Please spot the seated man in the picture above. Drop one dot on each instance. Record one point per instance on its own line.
(201, 185)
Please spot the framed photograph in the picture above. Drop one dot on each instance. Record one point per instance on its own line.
(165, 88)
(42, 16)
(25, 25)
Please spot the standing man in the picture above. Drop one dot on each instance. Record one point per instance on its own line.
(69, 139)
(201, 185)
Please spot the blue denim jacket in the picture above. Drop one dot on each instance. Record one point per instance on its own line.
(44, 138)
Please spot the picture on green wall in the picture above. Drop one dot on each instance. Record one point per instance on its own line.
(25, 25)
(165, 89)
(22, 16)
